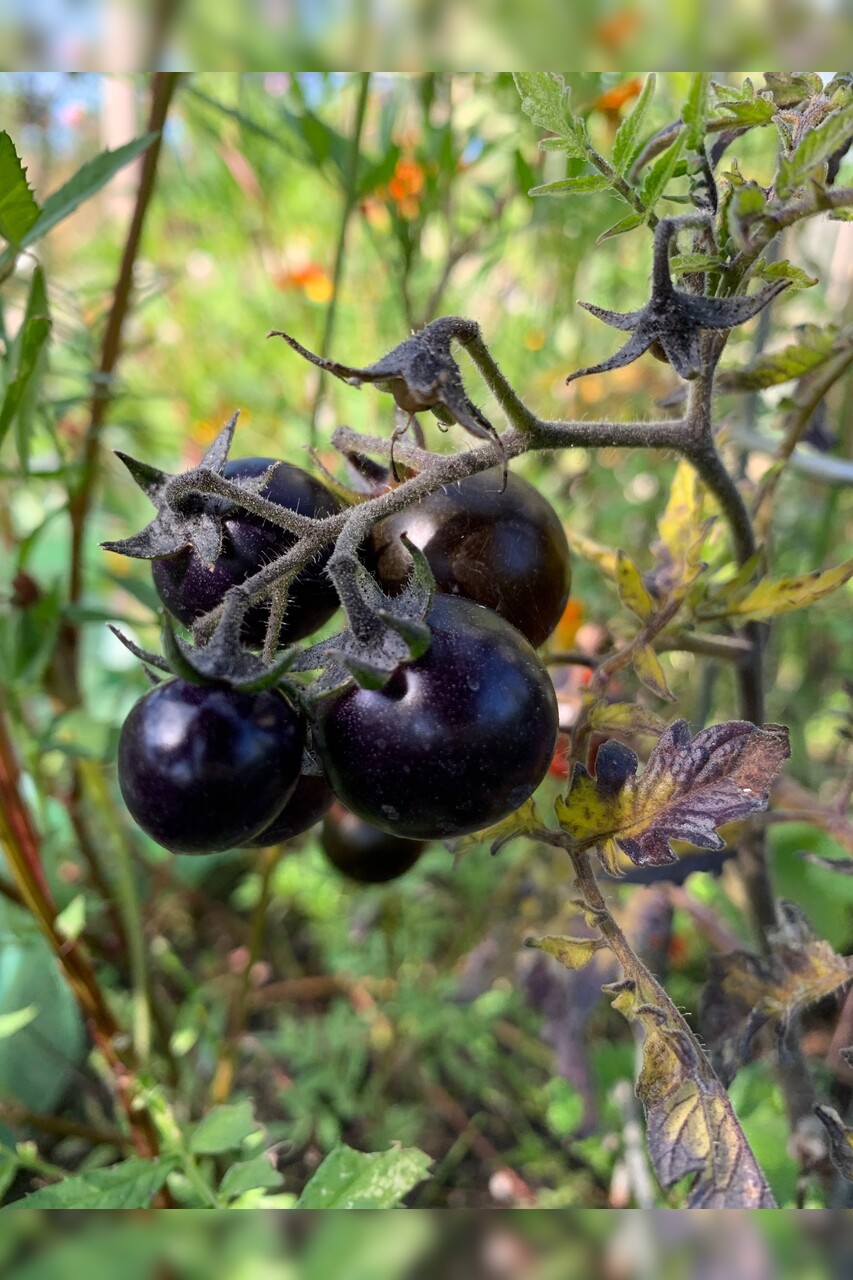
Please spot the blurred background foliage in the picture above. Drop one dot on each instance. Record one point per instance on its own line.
(571, 1245)
(407, 1012)
(417, 34)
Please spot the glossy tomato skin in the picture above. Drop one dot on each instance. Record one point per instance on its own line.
(363, 852)
(203, 769)
(189, 589)
(506, 551)
(455, 741)
(311, 798)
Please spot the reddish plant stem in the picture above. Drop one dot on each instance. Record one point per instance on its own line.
(21, 842)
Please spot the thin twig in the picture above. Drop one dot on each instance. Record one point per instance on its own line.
(163, 87)
(350, 196)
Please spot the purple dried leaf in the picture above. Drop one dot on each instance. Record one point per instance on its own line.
(688, 788)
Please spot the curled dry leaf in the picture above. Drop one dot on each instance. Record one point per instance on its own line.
(574, 953)
(688, 788)
(691, 1127)
(746, 992)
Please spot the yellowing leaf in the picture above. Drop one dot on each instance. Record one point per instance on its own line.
(649, 672)
(625, 717)
(595, 552)
(682, 534)
(687, 789)
(574, 953)
(691, 1127)
(683, 512)
(632, 592)
(769, 597)
(744, 991)
(523, 822)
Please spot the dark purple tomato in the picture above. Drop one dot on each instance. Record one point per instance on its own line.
(189, 589)
(506, 551)
(363, 852)
(309, 802)
(203, 769)
(455, 741)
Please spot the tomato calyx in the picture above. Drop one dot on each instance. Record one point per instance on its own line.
(671, 322)
(420, 374)
(185, 516)
(223, 661)
(384, 632)
(192, 506)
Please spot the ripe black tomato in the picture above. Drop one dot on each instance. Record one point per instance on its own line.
(203, 769)
(455, 741)
(189, 589)
(363, 852)
(506, 551)
(309, 802)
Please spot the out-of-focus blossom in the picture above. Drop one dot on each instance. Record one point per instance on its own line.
(613, 100)
(276, 83)
(614, 32)
(309, 277)
(71, 114)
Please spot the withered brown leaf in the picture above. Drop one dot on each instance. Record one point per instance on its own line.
(691, 1126)
(746, 992)
(688, 788)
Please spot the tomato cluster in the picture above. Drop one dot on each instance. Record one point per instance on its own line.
(455, 740)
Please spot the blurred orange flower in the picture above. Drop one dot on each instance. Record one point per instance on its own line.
(313, 280)
(615, 31)
(567, 628)
(403, 190)
(612, 100)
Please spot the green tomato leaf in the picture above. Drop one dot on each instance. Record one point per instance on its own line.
(546, 99)
(628, 133)
(85, 183)
(26, 361)
(628, 223)
(19, 208)
(584, 185)
(349, 1179)
(249, 1175)
(813, 150)
(695, 108)
(130, 1185)
(224, 1128)
(784, 270)
(661, 172)
(37, 1061)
